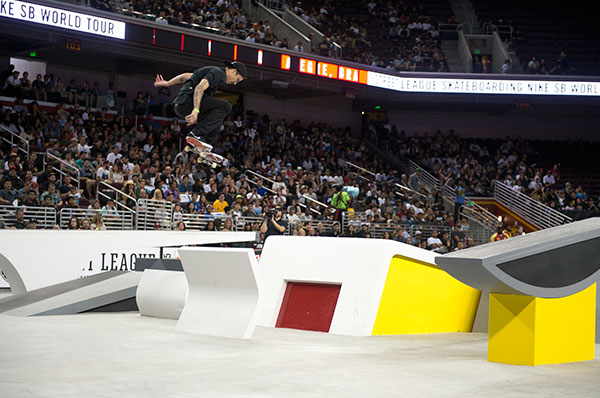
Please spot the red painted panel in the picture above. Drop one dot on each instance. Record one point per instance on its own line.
(308, 306)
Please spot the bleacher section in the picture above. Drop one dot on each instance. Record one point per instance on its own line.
(545, 28)
(376, 43)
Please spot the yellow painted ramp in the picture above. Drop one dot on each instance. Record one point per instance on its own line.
(422, 298)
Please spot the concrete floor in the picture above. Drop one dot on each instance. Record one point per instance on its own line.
(127, 355)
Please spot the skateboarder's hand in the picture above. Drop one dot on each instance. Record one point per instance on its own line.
(192, 118)
(160, 82)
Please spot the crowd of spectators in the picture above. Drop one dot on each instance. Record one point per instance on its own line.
(395, 36)
(307, 163)
(414, 38)
(222, 17)
(476, 164)
(14, 83)
(561, 66)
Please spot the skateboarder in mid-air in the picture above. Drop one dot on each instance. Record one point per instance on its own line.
(195, 102)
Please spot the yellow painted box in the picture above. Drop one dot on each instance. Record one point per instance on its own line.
(525, 330)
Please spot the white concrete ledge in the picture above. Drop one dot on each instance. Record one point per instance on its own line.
(161, 293)
(224, 292)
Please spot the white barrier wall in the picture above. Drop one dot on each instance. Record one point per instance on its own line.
(35, 259)
(360, 266)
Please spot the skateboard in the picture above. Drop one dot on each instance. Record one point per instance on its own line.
(204, 154)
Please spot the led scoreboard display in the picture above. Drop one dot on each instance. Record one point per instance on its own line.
(240, 52)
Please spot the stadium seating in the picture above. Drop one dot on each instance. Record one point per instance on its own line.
(377, 42)
(268, 168)
(564, 27)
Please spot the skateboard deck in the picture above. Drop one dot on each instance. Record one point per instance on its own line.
(204, 155)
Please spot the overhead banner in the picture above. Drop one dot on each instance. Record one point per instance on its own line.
(482, 86)
(59, 18)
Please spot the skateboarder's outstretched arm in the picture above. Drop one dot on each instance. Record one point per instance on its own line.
(179, 79)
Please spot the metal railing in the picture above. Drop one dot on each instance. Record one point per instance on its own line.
(281, 28)
(361, 169)
(378, 230)
(325, 229)
(154, 214)
(449, 31)
(45, 216)
(267, 189)
(188, 25)
(480, 233)
(64, 169)
(403, 190)
(272, 191)
(200, 222)
(118, 194)
(504, 31)
(260, 176)
(355, 218)
(324, 205)
(476, 212)
(277, 5)
(241, 221)
(13, 139)
(113, 220)
(531, 210)
(428, 179)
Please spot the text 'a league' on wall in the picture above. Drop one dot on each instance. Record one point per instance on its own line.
(123, 260)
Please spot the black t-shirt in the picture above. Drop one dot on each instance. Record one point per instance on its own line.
(212, 196)
(167, 179)
(212, 74)
(272, 230)
(64, 189)
(34, 202)
(21, 224)
(87, 173)
(38, 84)
(72, 89)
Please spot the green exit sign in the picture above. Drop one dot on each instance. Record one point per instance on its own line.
(33, 54)
(477, 51)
